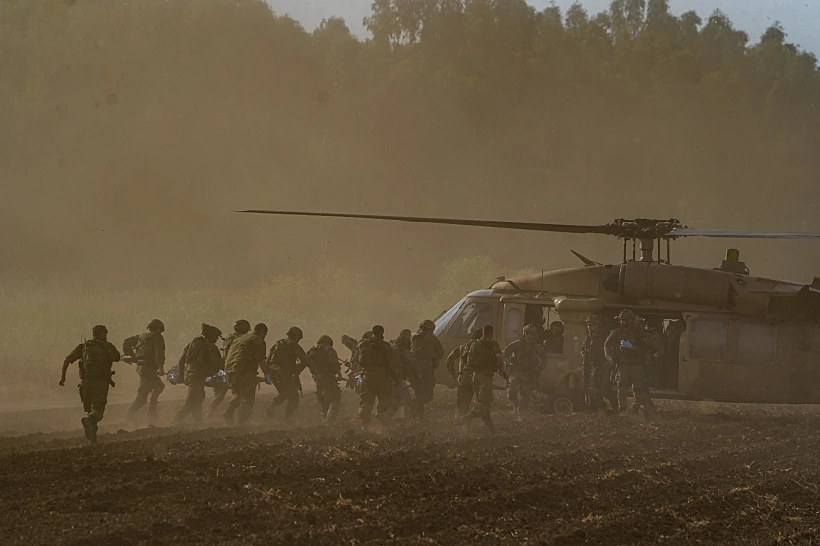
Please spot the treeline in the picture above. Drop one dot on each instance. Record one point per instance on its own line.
(181, 111)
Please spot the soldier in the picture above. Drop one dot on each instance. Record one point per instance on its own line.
(462, 375)
(597, 367)
(245, 353)
(524, 357)
(96, 357)
(282, 362)
(354, 378)
(629, 347)
(404, 370)
(378, 368)
(323, 363)
(200, 360)
(554, 338)
(149, 355)
(484, 358)
(427, 352)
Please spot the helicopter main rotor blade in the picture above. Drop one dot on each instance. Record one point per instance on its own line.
(528, 226)
(739, 234)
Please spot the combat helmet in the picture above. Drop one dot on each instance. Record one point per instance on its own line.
(296, 332)
(99, 330)
(593, 319)
(627, 315)
(427, 325)
(406, 333)
(156, 324)
(325, 340)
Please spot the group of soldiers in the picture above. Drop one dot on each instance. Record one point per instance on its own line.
(388, 375)
(385, 370)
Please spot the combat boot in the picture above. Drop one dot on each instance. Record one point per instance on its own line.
(90, 429)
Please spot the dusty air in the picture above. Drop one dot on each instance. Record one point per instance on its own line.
(418, 272)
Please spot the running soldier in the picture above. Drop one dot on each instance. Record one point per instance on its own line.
(323, 363)
(200, 360)
(524, 357)
(96, 357)
(629, 347)
(427, 351)
(597, 367)
(405, 369)
(484, 358)
(149, 355)
(286, 361)
(378, 375)
(462, 375)
(245, 353)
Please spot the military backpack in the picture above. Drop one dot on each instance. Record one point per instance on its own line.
(481, 355)
(371, 356)
(96, 360)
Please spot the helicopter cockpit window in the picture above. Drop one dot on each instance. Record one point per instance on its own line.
(708, 340)
(756, 343)
(473, 315)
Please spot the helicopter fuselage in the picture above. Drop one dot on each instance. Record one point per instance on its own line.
(746, 338)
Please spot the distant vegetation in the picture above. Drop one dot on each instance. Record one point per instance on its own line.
(184, 110)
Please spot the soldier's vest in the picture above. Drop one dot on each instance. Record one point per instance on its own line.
(372, 357)
(319, 357)
(423, 347)
(637, 338)
(480, 356)
(145, 352)
(95, 361)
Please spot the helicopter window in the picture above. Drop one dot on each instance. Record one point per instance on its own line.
(708, 340)
(756, 343)
(475, 314)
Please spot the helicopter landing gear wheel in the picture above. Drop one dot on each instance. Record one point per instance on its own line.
(562, 401)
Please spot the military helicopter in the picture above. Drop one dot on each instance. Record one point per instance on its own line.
(728, 335)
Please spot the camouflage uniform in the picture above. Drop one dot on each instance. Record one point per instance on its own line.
(462, 376)
(149, 355)
(427, 352)
(482, 361)
(600, 370)
(243, 355)
(630, 364)
(282, 362)
(377, 365)
(95, 375)
(404, 371)
(200, 360)
(524, 357)
(323, 363)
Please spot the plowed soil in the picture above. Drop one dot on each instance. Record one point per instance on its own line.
(708, 474)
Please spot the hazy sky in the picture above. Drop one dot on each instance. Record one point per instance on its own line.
(801, 18)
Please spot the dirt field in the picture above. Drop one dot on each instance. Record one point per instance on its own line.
(708, 474)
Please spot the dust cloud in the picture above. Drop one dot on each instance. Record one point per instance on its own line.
(132, 130)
